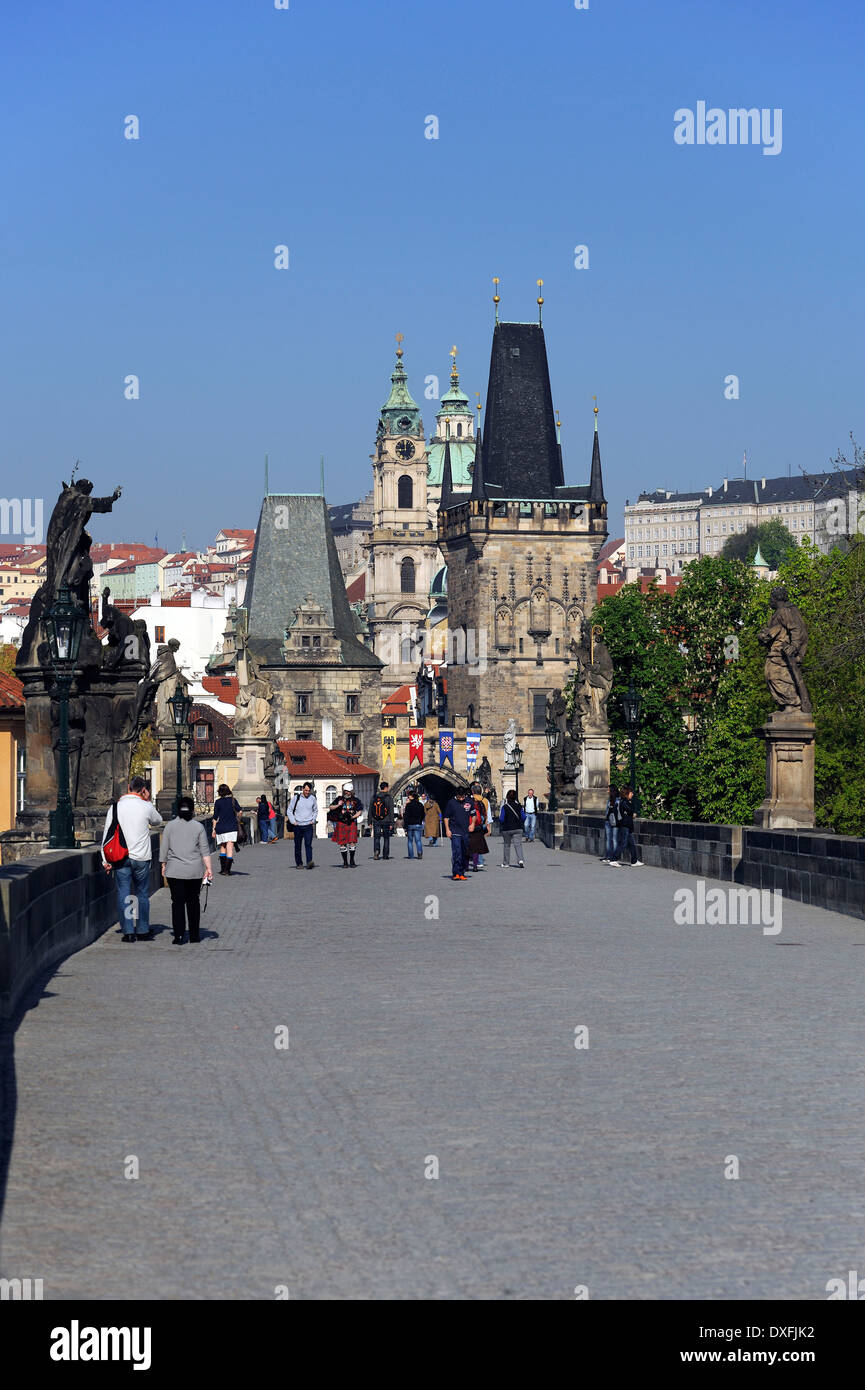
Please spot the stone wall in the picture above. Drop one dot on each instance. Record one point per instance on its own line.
(52, 905)
(812, 866)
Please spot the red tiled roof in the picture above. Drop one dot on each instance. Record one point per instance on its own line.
(11, 692)
(225, 688)
(125, 550)
(182, 602)
(306, 758)
(609, 548)
(398, 702)
(357, 589)
(241, 534)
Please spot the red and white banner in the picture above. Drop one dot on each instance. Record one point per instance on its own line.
(415, 746)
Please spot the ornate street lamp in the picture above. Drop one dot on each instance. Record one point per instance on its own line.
(632, 707)
(518, 758)
(278, 771)
(553, 736)
(64, 623)
(181, 707)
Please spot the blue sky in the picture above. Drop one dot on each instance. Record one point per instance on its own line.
(305, 127)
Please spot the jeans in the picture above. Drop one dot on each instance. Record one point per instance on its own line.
(609, 841)
(185, 902)
(132, 880)
(626, 840)
(267, 830)
(303, 839)
(531, 822)
(515, 838)
(459, 853)
(414, 835)
(381, 831)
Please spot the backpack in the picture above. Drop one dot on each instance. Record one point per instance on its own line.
(379, 809)
(114, 847)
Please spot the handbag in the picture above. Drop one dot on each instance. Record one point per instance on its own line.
(114, 848)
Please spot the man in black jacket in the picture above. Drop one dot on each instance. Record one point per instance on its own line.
(381, 815)
(626, 838)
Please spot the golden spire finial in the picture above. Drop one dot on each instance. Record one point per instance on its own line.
(399, 341)
(595, 399)
(496, 296)
(453, 355)
(540, 302)
(478, 407)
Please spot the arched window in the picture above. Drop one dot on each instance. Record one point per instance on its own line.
(329, 795)
(406, 576)
(404, 493)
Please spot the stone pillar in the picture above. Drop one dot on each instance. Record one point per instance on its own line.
(508, 777)
(168, 772)
(252, 755)
(789, 803)
(592, 797)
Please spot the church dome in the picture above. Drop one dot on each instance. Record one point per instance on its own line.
(439, 586)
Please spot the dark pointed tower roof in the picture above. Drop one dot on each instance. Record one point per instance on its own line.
(478, 492)
(520, 453)
(295, 558)
(446, 498)
(596, 482)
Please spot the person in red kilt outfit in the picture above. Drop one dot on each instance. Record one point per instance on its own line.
(346, 814)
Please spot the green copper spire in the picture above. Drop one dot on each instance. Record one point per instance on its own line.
(758, 562)
(400, 413)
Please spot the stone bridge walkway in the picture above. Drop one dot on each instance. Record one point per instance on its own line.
(414, 1038)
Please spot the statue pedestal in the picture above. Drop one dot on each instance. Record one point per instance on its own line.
(168, 763)
(595, 745)
(253, 754)
(509, 777)
(789, 803)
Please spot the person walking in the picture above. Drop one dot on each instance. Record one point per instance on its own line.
(226, 827)
(346, 814)
(611, 827)
(185, 857)
(381, 815)
(460, 813)
(626, 838)
(511, 818)
(302, 815)
(530, 806)
(432, 821)
(135, 815)
(478, 846)
(266, 821)
(413, 820)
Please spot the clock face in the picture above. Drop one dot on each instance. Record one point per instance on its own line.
(405, 449)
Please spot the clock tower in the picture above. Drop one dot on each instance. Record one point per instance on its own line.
(403, 545)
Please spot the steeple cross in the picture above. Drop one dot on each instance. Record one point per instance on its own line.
(399, 341)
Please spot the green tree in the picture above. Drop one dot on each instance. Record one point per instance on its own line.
(8, 654)
(773, 538)
(146, 751)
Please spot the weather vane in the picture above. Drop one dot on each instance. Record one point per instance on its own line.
(399, 339)
(540, 302)
(453, 354)
(496, 296)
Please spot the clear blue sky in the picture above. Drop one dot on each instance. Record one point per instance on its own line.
(306, 127)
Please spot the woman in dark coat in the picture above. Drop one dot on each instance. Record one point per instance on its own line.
(226, 827)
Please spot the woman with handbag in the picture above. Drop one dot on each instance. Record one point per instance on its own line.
(184, 854)
(226, 827)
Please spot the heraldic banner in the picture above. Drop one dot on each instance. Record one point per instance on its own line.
(446, 747)
(473, 743)
(388, 747)
(415, 746)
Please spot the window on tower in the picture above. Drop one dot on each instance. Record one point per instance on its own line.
(459, 430)
(404, 494)
(406, 576)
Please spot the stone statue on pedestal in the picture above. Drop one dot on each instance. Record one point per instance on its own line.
(786, 637)
(255, 712)
(509, 743)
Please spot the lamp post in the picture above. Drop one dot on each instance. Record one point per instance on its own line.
(518, 758)
(632, 707)
(64, 624)
(278, 772)
(181, 706)
(553, 736)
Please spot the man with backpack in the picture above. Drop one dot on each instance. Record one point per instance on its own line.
(126, 849)
(382, 816)
(302, 815)
(612, 821)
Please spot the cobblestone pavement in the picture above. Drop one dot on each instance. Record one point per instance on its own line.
(413, 1037)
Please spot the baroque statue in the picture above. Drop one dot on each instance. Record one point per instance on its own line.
(786, 637)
